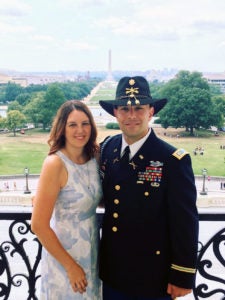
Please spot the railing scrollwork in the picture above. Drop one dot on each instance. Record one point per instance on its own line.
(23, 249)
(211, 257)
(21, 239)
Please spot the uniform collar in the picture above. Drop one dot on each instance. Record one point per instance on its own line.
(135, 146)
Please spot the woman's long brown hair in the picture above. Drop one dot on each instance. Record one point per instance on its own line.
(57, 135)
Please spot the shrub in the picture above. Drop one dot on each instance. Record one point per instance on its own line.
(112, 125)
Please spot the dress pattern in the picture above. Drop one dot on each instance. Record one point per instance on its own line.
(74, 222)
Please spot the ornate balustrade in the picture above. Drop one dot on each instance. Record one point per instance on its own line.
(20, 255)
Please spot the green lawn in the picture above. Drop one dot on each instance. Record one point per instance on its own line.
(103, 94)
(18, 152)
(213, 159)
(29, 150)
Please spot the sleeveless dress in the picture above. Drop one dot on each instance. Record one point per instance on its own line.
(75, 224)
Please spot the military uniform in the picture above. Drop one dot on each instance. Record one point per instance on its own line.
(150, 226)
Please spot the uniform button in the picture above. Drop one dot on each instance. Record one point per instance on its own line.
(117, 187)
(114, 229)
(115, 215)
(146, 194)
(157, 252)
(116, 201)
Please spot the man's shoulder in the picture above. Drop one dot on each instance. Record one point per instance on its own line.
(180, 153)
(171, 150)
(164, 146)
(110, 139)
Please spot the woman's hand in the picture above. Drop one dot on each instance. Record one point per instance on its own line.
(77, 278)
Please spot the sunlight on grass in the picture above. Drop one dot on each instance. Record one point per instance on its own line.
(31, 149)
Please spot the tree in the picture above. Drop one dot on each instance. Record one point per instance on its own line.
(2, 122)
(14, 105)
(155, 88)
(34, 88)
(189, 103)
(23, 98)
(12, 91)
(53, 99)
(219, 102)
(14, 120)
(215, 89)
(33, 110)
(77, 90)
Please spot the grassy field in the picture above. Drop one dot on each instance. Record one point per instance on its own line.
(29, 150)
(22, 151)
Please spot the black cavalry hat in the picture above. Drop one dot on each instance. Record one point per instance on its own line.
(132, 91)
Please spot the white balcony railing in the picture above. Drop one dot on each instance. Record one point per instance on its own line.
(20, 251)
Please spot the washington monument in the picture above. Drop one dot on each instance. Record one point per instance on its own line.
(109, 75)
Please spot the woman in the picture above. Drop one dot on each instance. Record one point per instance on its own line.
(64, 213)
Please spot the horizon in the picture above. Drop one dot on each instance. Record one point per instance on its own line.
(172, 71)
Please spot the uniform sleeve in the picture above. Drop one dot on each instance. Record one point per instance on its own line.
(183, 220)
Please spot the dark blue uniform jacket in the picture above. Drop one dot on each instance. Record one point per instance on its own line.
(150, 226)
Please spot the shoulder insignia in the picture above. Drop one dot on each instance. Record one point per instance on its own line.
(179, 153)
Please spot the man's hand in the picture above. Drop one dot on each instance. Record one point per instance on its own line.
(176, 291)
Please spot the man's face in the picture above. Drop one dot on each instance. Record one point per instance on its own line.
(134, 120)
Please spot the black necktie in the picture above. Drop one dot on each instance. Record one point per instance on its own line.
(125, 158)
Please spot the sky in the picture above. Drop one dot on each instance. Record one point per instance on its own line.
(67, 35)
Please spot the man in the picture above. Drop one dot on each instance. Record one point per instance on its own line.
(150, 227)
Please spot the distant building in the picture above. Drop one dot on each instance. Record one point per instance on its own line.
(4, 79)
(3, 111)
(20, 80)
(161, 75)
(217, 79)
(43, 78)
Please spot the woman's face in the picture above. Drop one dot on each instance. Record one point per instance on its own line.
(78, 129)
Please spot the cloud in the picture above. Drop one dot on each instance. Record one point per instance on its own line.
(6, 28)
(170, 32)
(14, 8)
(82, 3)
(11, 12)
(222, 45)
(133, 28)
(78, 45)
(169, 20)
(43, 38)
(210, 26)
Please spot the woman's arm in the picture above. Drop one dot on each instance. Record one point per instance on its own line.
(52, 178)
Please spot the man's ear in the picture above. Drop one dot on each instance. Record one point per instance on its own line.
(115, 112)
(152, 111)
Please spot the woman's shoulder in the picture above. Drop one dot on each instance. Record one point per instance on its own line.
(53, 161)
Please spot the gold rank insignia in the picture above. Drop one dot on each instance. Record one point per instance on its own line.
(133, 165)
(131, 81)
(131, 91)
(115, 160)
(180, 153)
